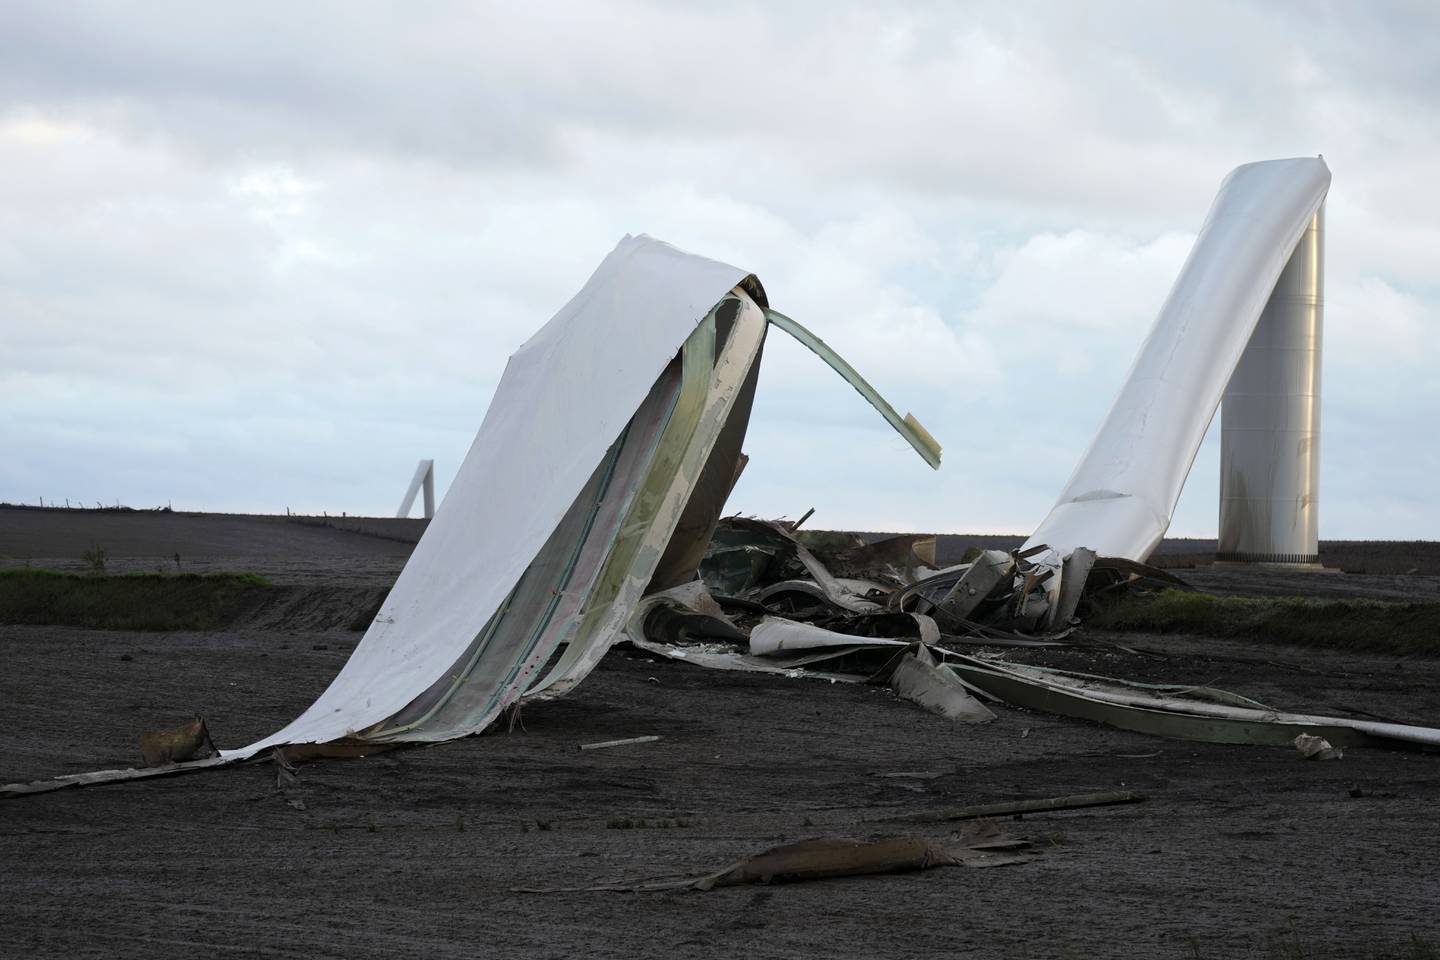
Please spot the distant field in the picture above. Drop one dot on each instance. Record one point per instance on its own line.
(27, 532)
(30, 532)
(1179, 553)
(1342, 623)
(332, 571)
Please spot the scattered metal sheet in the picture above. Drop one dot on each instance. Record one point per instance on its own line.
(894, 561)
(991, 572)
(756, 567)
(762, 561)
(1070, 587)
(827, 544)
(1316, 748)
(628, 741)
(832, 595)
(907, 665)
(1192, 713)
(108, 776)
(674, 623)
(775, 635)
(1010, 808)
(1113, 573)
(653, 632)
(715, 656)
(918, 678)
(894, 626)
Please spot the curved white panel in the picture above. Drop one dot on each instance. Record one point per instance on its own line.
(564, 397)
(563, 401)
(1121, 496)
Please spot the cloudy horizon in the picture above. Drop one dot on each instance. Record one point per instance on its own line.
(266, 257)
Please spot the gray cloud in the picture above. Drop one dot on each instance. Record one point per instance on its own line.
(266, 256)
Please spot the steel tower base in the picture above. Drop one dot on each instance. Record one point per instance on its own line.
(1270, 422)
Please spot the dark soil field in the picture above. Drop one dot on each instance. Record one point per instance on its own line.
(1238, 852)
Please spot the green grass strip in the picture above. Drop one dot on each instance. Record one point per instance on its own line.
(130, 601)
(1380, 626)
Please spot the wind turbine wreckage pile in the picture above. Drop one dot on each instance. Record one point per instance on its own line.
(588, 511)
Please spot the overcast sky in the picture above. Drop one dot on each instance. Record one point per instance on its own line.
(266, 256)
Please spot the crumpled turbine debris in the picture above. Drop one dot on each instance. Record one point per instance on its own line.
(588, 509)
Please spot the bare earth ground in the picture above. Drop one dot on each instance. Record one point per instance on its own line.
(416, 853)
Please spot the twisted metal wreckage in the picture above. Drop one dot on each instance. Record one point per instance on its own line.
(588, 511)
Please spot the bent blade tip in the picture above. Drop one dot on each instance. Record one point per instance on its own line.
(924, 444)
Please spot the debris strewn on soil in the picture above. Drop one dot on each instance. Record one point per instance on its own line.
(827, 858)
